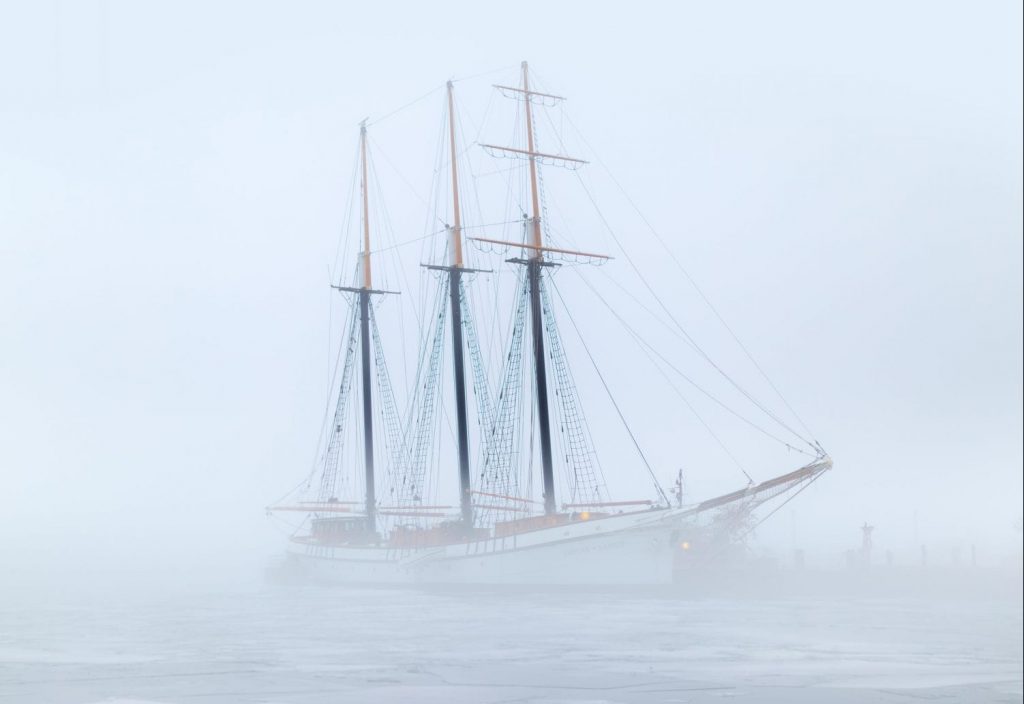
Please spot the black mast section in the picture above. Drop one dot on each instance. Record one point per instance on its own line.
(533, 269)
(454, 292)
(364, 339)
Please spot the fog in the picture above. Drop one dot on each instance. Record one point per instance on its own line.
(843, 183)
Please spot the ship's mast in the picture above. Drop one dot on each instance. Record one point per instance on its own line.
(363, 292)
(364, 338)
(455, 269)
(535, 265)
(534, 192)
(533, 268)
(456, 229)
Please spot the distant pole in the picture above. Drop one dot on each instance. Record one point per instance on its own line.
(865, 546)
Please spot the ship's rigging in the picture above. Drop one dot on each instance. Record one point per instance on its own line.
(528, 407)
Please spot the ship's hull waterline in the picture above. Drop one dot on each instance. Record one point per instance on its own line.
(635, 548)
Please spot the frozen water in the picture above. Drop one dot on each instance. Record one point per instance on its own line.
(311, 645)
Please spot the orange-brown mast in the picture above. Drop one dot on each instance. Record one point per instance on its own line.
(537, 252)
(456, 229)
(365, 187)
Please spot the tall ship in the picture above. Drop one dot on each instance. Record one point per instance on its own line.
(484, 467)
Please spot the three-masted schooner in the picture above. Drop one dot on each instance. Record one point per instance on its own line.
(368, 524)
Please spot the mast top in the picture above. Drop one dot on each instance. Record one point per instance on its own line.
(536, 239)
(367, 279)
(456, 229)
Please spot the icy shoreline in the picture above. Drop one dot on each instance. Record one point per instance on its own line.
(310, 645)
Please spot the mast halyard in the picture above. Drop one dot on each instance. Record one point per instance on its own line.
(455, 270)
(364, 340)
(533, 271)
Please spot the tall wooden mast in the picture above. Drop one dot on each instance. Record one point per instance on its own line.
(364, 338)
(535, 240)
(455, 270)
(364, 186)
(456, 228)
(534, 269)
(363, 291)
(535, 264)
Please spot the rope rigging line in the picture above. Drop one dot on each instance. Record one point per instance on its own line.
(686, 401)
(410, 424)
(771, 513)
(435, 233)
(405, 243)
(512, 203)
(345, 237)
(343, 242)
(687, 336)
(318, 456)
(388, 410)
(384, 229)
(648, 347)
(428, 248)
(692, 281)
(615, 404)
(426, 402)
(661, 303)
(587, 481)
(485, 73)
(752, 528)
(406, 106)
(398, 172)
(481, 387)
(558, 136)
(329, 479)
(500, 455)
(276, 521)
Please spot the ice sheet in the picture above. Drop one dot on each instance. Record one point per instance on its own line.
(311, 645)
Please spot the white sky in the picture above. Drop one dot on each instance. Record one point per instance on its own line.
(843, 181)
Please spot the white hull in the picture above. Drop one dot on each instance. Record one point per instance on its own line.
(632, 548)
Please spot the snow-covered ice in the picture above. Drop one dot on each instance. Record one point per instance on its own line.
(312, 645)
